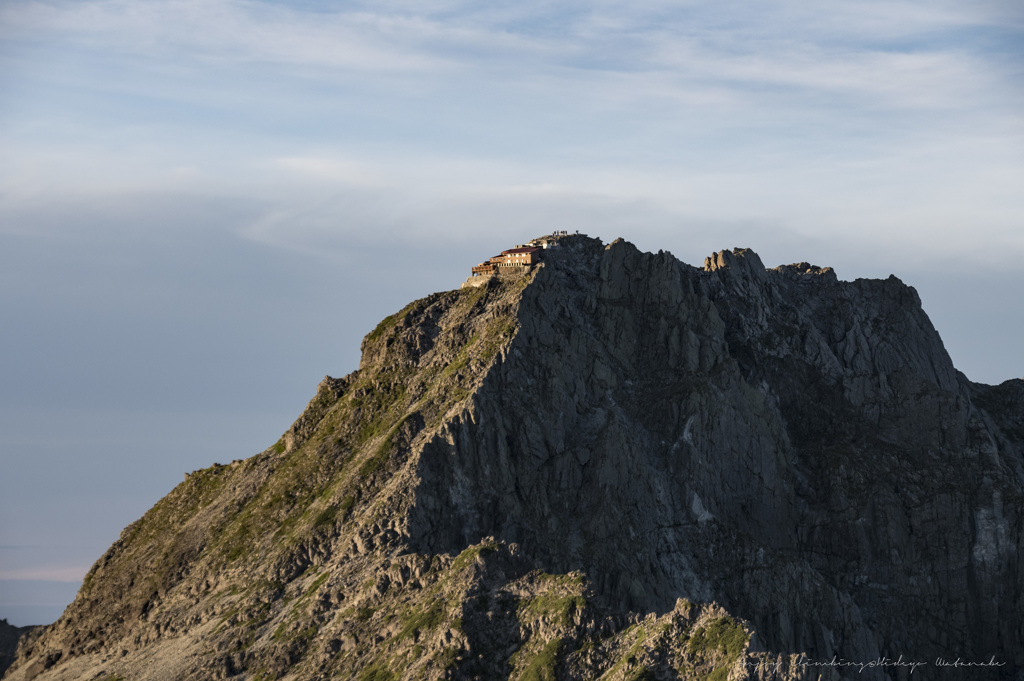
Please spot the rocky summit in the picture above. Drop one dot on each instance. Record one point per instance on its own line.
(608, 465)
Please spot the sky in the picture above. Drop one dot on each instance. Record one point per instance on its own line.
(205, 204)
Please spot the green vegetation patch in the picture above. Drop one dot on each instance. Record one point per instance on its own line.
(496, 334)
(326, 517)
(422, 620)
(464, 559)
(374, 463)
(384, 451)
(723, 635)
(376, 672)
(561, 598)
(390, 322)
(461, 358)
(469, 297)
(558, 608)
(720, 643)
(544, 666)
(629, 659)
(380, 403)
(316, 585)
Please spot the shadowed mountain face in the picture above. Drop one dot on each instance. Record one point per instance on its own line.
(614, 465)
(9, 636)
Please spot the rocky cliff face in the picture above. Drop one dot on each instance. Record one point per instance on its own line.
(620, 466)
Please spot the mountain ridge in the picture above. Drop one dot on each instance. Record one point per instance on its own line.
(595, 463)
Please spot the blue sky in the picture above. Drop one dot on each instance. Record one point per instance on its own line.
(204, 205)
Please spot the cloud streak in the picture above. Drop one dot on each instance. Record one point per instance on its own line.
(841, 48)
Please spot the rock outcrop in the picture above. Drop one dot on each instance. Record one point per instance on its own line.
(618, 466)
(9, 637)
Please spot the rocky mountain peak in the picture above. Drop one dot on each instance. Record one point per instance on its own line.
(608, 464)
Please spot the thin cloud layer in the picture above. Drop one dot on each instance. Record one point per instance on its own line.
(845, 47)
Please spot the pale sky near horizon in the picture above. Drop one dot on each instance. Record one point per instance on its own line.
(205, 204)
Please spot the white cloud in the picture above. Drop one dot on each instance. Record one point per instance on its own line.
(876, 78)
(788, 43)
(820, 119)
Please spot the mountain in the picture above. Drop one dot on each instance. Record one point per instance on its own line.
(9, 637)
(611, 464)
